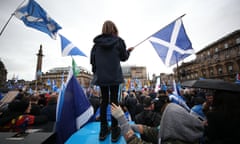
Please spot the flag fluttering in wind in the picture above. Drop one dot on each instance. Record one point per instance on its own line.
(163, 86)
(172, 43)
(73, 109)
(75, 68)
(48, 82)
(68, 49)
(34, 16)
(177, 98)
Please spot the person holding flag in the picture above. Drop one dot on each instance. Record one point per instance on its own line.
(107, 53)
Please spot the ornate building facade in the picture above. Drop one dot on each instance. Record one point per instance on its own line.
(61, 73)
(219, 60)
(135, 72)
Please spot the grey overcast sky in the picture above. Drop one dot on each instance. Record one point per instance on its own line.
(205, 22)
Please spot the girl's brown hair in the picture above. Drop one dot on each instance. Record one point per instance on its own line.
(109, 28)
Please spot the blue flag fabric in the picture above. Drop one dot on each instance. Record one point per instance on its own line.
(48, 82)
(237, 78)
(34, 16)
(68, 49)
(1, 96)
(177, 98)
(163, 86)
(172, 43)
(73, 110)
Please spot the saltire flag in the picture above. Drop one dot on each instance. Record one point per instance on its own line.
(138, 84)
(172, 43)
(73, 109)
(176, 89)
(163, 86)
(132, 85)
(177, 98)
(30, 91)
(54, 86)
(68, 49)
(1, 96)
(48, 82)
(34, 16)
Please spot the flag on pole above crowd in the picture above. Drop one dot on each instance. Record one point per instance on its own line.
(68, 49)
(34, 16)
(172, 43)
(177, 98)
(75, 68)
(73, 109)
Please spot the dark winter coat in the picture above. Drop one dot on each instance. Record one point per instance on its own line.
(107, 53)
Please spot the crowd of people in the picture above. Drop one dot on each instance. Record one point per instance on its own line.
(208, 116)
(213, 116)
(28, 111)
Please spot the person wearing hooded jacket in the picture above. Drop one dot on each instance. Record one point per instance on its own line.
(107, 53)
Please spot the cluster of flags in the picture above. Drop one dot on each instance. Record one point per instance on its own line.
(132, 84)
(171, 43)
(34, 16)
(53, 85)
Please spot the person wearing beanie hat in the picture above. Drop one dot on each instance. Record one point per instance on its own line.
(148, 116)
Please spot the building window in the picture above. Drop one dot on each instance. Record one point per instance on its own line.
(204, 73)
(196, 75)
(230, 68)
(238, 40)
(219, 70)
(208, 53)
(225, 45)
(211, 72)
(216, 50)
